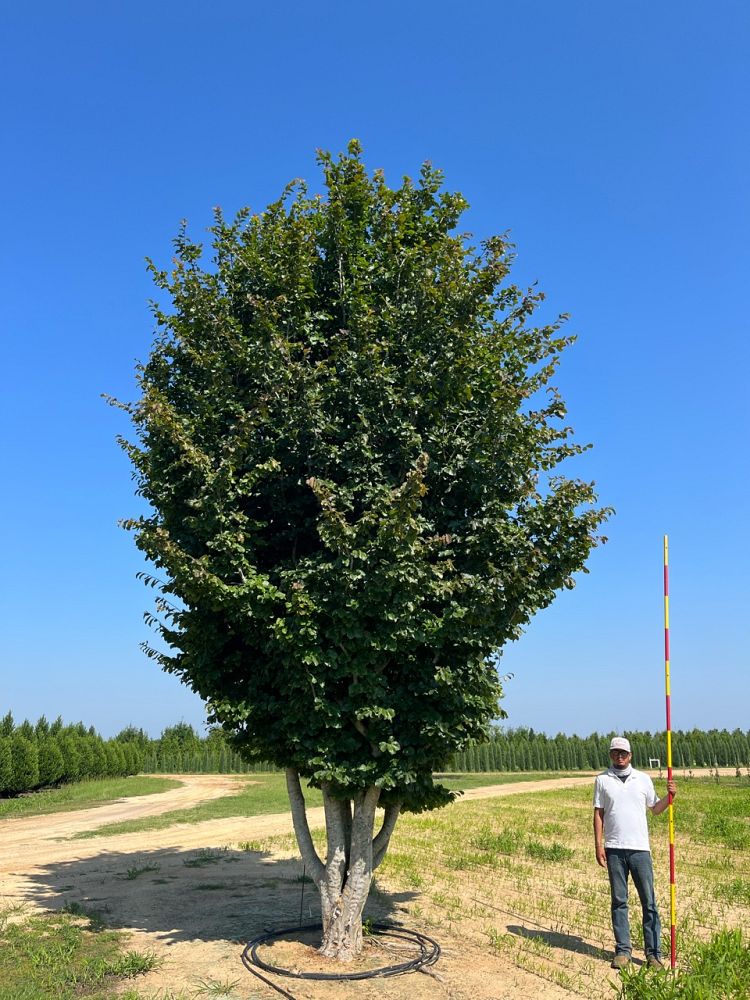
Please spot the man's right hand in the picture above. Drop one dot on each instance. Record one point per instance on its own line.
(601, 857)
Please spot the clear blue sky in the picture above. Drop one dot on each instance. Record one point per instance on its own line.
(610, 139)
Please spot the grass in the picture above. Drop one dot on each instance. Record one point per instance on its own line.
(217, 988)
(59, 956)
(137, 871)
(736, 891)
(82, 795)
(718, 969)
(204, 858)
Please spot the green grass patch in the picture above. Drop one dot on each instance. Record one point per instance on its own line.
(736, 891)
(57, 956)
(718, 969)
(548, 852)
(506, 841)
(83, 795)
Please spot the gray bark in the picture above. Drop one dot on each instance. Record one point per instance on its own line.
(383, 839)
(343, 901)
(352, 855)
(313, 863)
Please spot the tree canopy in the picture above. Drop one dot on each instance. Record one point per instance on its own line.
(348, 439)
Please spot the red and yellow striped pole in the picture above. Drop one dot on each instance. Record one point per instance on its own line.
(672, 906)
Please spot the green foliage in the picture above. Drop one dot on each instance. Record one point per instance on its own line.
(44, 755)
(180, 738)
(522, 748)
(719, 968)
(351, 460)
(548, 852)
(25, 763)
(132, 735)
(71, 757)
(6, 766)
(51, 764)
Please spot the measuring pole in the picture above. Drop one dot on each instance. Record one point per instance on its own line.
(672, 907)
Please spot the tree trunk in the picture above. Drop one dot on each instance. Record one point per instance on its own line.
(352, 856)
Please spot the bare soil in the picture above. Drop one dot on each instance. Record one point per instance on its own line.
(194, 897)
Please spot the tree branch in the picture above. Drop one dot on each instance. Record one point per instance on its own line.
(382, 840)
(301, 827)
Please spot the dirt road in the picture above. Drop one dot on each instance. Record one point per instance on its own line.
(44, 839)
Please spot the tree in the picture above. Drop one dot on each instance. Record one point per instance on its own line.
(135, 736)
(51, 766)
(6, 766)
(179, 738)
(24, 762)
(348, 440)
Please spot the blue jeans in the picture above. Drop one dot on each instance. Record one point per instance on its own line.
(620, 864)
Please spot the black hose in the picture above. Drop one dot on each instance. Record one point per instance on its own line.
(429, 953)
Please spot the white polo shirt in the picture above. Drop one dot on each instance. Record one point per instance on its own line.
(624, 804)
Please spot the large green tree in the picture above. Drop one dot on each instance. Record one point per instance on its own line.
(347, 439)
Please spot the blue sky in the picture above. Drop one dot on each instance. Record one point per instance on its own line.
(611, 140)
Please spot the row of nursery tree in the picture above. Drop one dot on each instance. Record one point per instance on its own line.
(41, 755)
(35, 756)
(180, 749)
(526, 750)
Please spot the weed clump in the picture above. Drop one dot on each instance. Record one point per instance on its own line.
(718, 969)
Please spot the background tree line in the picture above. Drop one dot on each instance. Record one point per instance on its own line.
(526, 750)
(181, 750)
(52, 753)
(35, 756)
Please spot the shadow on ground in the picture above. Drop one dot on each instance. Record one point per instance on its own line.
(196, 895)
(570, 942)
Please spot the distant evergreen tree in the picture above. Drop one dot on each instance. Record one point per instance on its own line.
(51, 767)
(6, 766)
(132, 735)
(41, 728)
(86, 752)
(26, 730)
(71, 756)
(24, 762)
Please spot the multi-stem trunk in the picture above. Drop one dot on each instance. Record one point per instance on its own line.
(353, 855)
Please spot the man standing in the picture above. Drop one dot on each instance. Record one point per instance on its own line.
(621, 797)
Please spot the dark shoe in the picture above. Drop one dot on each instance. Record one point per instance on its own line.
(621, 961)
(654, 962)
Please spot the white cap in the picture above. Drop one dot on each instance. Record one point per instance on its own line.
(619, 743)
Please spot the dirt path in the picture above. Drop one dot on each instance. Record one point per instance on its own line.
(192, 895)
(28, 832)
(46, 837)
